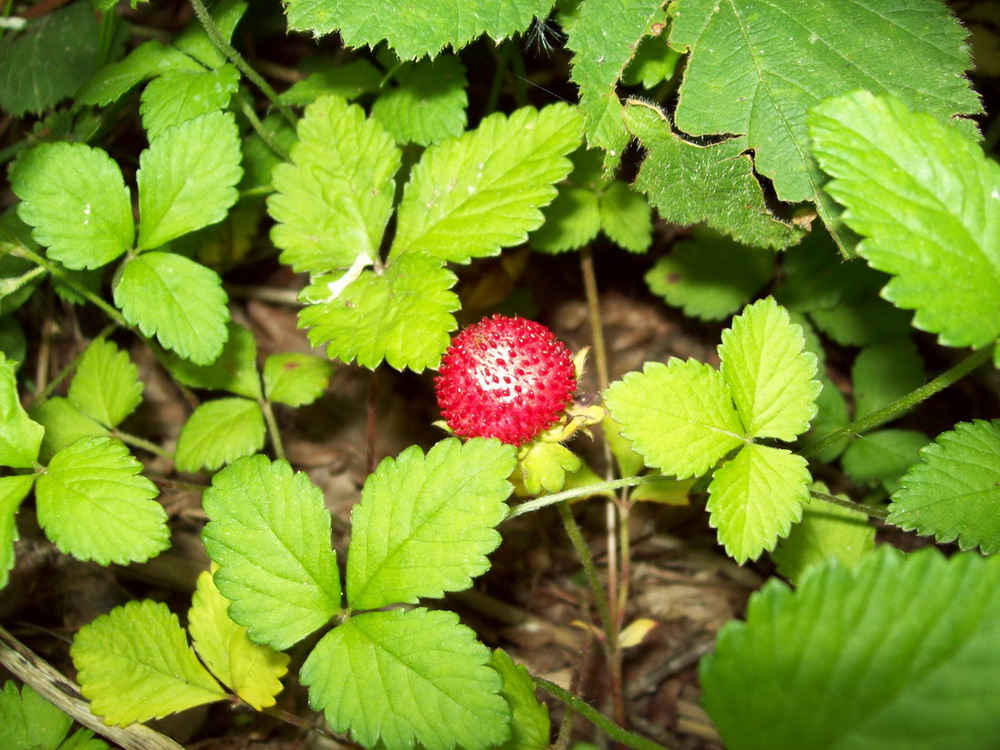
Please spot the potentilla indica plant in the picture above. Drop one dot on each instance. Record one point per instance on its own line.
(827, 187)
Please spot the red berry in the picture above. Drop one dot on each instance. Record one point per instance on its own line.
(507, 378)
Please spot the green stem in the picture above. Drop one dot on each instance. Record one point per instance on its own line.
(900, 406)
(503, 62)
(138, 442)
(272, 428)
(589, 569)
(591, 489)
(9, 286)
(237, 59)
(520, 77)
(595, 717)
(258, 126)
(866, 509)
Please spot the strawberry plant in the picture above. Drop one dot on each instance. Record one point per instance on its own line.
(683, 277)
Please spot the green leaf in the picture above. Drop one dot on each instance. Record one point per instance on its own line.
(826, 532)
(679, 416)
(178, 300)
(653, 63)
(64, 423)
(106, 385)
(862, 321)
(95, 505)
(134, 664)
(83, 739)
(769, 372)
(831, 415)
(883, 456)
(710, 276)
(195, 40)
(252, 671)
(883, 373)
(429, 103)
(114, 80)
(29, 721)
(739, 79)
(756, 497)
(181, 95)
(235, 370)
(571, 221)
(470, 196)
(32, 77)
(425, 522)
(270, 534)
(407, 676)
(937, 231)
(75, 198)
(816, 276)
(952, 494)
(418, 28)
(296, 379)
(333, 200)
(626, 217)
(12, 491)
(20, 437)
(186, 178)
(13, 343)
(348, 81)
(530, 725)
(218, 432)
(898, 653)
(402, 315)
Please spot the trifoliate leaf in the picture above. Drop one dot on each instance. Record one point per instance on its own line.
(147, 60)
(571, 221)
(418, 28)
(826, 532)
(252, 671)
(348, 81)
(626, 218)
(768, 371)
(900, 652)
(756, 497)
(883, 456)
(134, 664)
(296, 379)
(952, 494)
(402, 315)
(710, 276)
(470, 196)
(12, 491)
(75, 198)
(408, 676)
(544, 467)
(218, 432)
(884, 372)
(106, 385)
(270, 534)
(832, 414)
(95, 505)
(688, 184)
(178, 300)
(29, 721)
(429, 103)
(235, 370)
(530, 725)
(186, 178)
(64, 423)
(679, 416)
(425, 522)
(178, 96)
(333, 200)
(195, 40)
(20, 437)
(937, 231)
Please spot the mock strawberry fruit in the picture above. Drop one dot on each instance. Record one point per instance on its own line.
(504, 377)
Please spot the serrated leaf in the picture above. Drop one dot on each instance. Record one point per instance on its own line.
(926, 200)
(113, 81)
(348, 81)
(95, 505)
(106, 384)
(898, 653)
(953, 492)
(75, 198)
(429, 103)
(710, 276)
(407, 676)
(544, 466)
(470, 196)
(218, 432)
(572, 220)
(402, 316)
(20, 437)
(653, 63)
(769, 372)
(530, 725)
(186, 178)
(425, 522)
(64, 424)
(883, 373)
(235, 370)
(181, 95)
(29, 721)
(12, 491)
(626, 217)
(333, 200)
(296, 379)
(195, 40)
(418, 28)
(756, 497)
(270, 534)
(178, 300)
(134, 664)
(679, 416)
(883, 455)
(252, 671)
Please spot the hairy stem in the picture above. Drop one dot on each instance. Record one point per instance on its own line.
(272, 428)
(589, 569)
(866, 509)
(258, 126)
(589, 491)
(142, 443)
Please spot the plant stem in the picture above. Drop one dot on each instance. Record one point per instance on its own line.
(591, 489)
(503, 62)
(900, 406)
(258, 126)
(595, 717)
(589, 569)
(142, 443)
(866, 509)
(272, 428)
